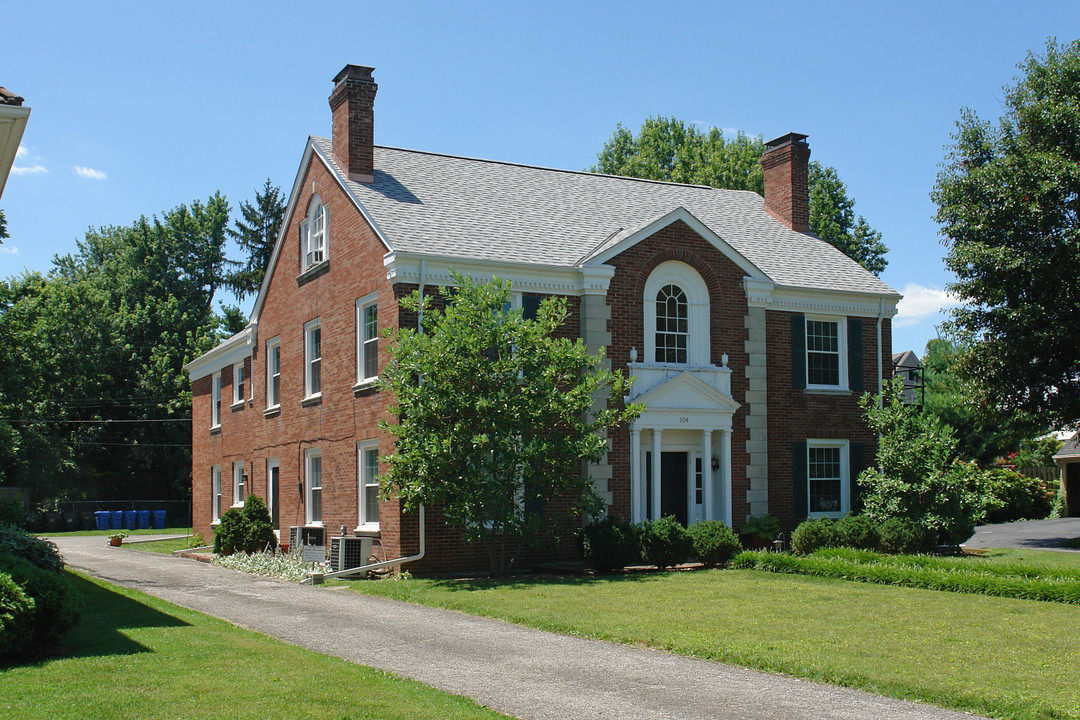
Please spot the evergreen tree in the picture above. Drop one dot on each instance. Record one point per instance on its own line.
(256, 231)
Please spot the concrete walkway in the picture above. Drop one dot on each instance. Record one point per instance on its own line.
(515, 670)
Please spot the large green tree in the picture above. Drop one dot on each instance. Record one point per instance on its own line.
(1008, 199)
(671, 150)
(93, 395)
(494, 415)
(255, 231)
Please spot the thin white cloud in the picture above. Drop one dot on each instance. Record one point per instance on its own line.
(89, 173)
(34, 169)
(8, 250)
(920, 303)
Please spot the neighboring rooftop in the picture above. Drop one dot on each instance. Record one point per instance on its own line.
(9, 98)
(444, 205)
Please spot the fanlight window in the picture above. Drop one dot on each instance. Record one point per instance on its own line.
(672, 325)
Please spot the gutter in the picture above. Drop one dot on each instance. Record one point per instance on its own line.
(880, 379)
(317, 578)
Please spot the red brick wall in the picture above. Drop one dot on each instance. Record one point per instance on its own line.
(727, 310)
(795, 415)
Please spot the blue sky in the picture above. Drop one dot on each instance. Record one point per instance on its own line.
(138, 107)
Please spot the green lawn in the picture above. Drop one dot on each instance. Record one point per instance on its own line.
(994, 656)
(104, 533)
(160, 546)
(134, 656)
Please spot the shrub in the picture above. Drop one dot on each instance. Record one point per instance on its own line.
(760, 528)
(713, 542)
(16, 617)
(664, 542)
(611, 544)
(813, 534)
(23, 544)
(12, 512)
(857, 531)
(247, 529)
(901, 535)
(56, 607)
(1009, 495)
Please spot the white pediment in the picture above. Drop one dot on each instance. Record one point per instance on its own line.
(687, 393)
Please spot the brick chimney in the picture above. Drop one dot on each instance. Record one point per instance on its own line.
(787, 193)
(353, 105)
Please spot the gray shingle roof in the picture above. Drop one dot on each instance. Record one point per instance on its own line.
(426, 203)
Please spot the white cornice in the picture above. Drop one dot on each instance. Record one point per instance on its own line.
(12, 123)
(229, 352)
(544, 279)
(768, 295)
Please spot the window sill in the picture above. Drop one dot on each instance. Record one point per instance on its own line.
(272, 411)
(365, 385)
(215, 523)
(310, 273)
(215, 429)
(838, 391)
(238, 405)
(311, 400)
(371, 531)
(236, 505)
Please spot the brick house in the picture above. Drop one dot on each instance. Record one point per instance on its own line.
(749, 339)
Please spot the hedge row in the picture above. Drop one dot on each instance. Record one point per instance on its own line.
(37, 603)
(1012, 581)
(612, 544)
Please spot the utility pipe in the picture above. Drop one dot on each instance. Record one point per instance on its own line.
(309, 580)
(420, 313)
(880, 389)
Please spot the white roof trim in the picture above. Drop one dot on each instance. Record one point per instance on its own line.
(12, 123)
(769, 295)
(679, 213)
(228, 352)
(523, 277)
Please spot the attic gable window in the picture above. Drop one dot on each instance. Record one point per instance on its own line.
(313, 234)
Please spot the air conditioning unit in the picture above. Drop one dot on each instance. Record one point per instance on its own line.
(302, 535)
(349, 552)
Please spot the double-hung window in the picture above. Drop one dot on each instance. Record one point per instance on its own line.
(313, 475)
(215, 402)
(239, 481)
(827, 477)
(215, 490)
(238, 383)
(823, 356)
(313, 234)
(273, 373)
(369, 485)
(826, 353)
(312, 359)
(367, 340)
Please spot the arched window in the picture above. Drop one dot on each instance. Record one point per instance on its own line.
(672, 325)
(313, 234)
(676, 316)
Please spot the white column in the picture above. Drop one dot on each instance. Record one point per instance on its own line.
(707, 472)
(637, 487)
(656, 473)
(691, 487)
(725, 473)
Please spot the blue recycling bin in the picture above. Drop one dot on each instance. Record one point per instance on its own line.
(116, 520)
(159, 519)
(101, 519)
(131, 520)
(144, 519)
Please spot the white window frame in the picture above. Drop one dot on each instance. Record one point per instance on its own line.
(313, 234)
(271, 465)
(365, 483)
(845, 477)
(238, 484)
(215, 493)
(312, 472)
(273, 372)
(312, 363)
(841, 351)
(215, 402)
(689, 280)
(238, 384)
(364, 343)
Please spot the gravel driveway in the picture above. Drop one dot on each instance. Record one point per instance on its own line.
(519, 671)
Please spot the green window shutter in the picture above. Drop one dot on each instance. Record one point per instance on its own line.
(530, 306)
(857, 463)
(801, 480)
(854, 354)
(798, 351)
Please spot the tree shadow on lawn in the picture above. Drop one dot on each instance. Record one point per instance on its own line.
(527, 580)
(105, 613)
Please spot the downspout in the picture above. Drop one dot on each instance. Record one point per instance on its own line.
(420, 313)
(880, 379)
(311, 578)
